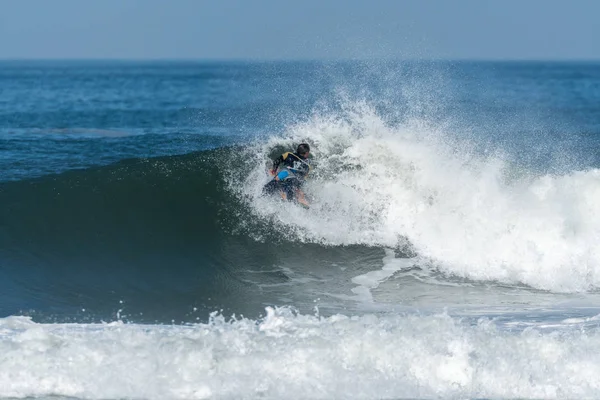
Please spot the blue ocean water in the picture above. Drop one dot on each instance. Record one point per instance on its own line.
(450, 249)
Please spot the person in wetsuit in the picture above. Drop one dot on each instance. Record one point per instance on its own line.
(294, 168)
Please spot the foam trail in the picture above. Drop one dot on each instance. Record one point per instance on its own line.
(471, 216)
(372, 279)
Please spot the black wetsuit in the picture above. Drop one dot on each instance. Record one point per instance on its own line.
(298, 168)
(293, 161)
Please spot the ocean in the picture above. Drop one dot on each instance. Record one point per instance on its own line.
(450, 249)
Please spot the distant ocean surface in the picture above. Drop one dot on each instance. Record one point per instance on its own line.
(451, 248)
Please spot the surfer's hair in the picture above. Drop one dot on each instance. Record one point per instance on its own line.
(303, 148)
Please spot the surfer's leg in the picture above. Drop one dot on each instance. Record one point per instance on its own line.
(301, 197)
(271, 187)
(290, 191)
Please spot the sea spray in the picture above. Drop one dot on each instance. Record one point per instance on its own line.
(470, 215)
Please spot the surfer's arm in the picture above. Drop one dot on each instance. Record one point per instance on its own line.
(277, 162)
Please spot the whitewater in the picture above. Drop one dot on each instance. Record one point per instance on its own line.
(468, 215)
(301, 356)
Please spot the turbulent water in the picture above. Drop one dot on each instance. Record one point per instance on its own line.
(450, 249)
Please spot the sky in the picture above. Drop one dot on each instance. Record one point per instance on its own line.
(300, 29)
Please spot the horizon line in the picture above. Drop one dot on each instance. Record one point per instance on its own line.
(285, 60)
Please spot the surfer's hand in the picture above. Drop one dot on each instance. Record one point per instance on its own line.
(273, 172)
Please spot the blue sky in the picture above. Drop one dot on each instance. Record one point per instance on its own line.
(300, 29)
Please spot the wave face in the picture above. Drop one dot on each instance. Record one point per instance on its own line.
(144, 226)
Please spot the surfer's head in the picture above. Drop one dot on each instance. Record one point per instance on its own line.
(303, 150)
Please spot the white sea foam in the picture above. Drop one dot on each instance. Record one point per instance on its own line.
(470, 215)
(373, 279)
(286, 355)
